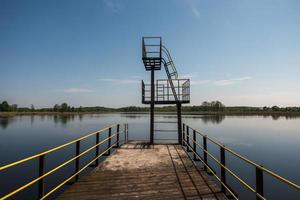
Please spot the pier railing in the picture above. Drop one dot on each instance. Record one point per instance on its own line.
(40, 180)
(189, 139)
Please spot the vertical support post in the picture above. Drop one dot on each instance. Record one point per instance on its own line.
(118, 135)
(77, 159)
(188, 138)
(204, 152)
(127, 132)
(163, 92)
(168, 89)
(223, 171)
(152, 106)
(109, 141)
(41, 173)
(157, 87)
(259, 182)
(183, 135)
(97, 149)
(179, 122)
(178, 89)
(194, 145)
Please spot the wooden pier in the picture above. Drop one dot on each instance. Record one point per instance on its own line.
(139, 170)
(143, 171)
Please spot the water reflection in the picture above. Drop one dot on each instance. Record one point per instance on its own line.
(214, 119)
(31, 119)
(5, 121)
(64, 119)
(275, 117)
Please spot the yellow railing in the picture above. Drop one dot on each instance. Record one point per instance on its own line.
(41, 157)
(258, 191)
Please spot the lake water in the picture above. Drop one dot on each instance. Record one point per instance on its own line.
(273, 142)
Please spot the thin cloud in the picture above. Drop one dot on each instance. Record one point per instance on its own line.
(114, 6)
(223, 82)
(196, 12)
(190, 76)
(200, 82)
(119, 81)
(136, 77)
(76, 90)
(232, 81)
(194, 7)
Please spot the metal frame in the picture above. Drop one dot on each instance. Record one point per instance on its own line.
(41, 157)
(151, 52)
(163, 93)
(259, 169)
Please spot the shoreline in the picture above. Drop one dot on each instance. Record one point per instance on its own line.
(225, 113)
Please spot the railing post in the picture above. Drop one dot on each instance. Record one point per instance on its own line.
(223, 171)
(194, 145)
(125, 133)
(77, 159)
(41, 173)
(118, 135)
(179, 122)
(183, 135)
(97, 148)
(259, 182)
(188, 138)
(109, 141)
(204, 152)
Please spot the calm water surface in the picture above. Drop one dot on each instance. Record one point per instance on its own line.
(273, 142)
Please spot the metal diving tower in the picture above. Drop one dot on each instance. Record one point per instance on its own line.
(171, 90)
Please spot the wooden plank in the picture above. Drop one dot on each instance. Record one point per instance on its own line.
(142, 171)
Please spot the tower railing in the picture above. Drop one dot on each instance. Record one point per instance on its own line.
(163, 91)
(152, 52)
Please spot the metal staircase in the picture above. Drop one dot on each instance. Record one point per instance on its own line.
(170, 70)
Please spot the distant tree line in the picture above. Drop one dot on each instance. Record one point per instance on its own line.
(213, 106)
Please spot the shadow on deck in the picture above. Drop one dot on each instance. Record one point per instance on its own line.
(143, 171)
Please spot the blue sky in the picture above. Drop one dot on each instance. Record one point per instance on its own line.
(89, 52)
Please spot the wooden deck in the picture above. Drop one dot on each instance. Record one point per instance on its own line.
(141, 171)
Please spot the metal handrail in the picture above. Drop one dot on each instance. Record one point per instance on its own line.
(227, 169)
(163, 92)
(41, 155)
(53, 149)
(258, 167)
(251, 162)
(78, 172)
(211, 170)
(144, 49)
(166, 51)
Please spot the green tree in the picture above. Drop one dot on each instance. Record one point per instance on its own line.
(32, 108)
(5, 106)
(56, 108)
(275, 108)
(64, 107)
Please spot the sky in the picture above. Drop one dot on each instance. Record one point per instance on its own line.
(88, 53)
